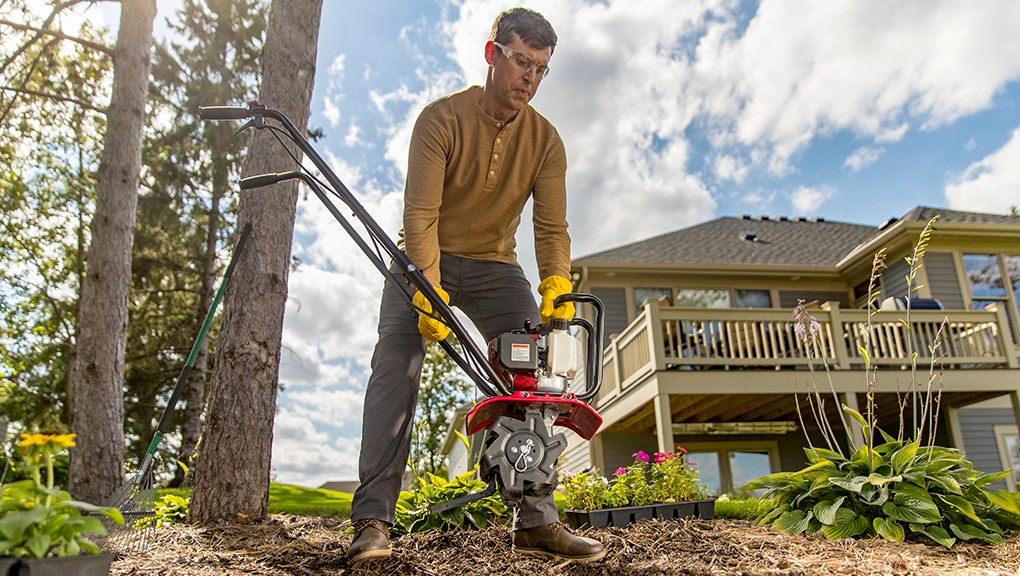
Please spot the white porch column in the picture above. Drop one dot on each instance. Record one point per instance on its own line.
(664, 423)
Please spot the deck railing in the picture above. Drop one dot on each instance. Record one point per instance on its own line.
(664, 338)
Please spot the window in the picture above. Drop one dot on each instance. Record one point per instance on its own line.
(995, 281)
(752, 299)
(724, 468)
(663, 295)
(703, 298)
(1009, 453)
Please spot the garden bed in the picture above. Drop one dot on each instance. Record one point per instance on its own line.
(307, 546)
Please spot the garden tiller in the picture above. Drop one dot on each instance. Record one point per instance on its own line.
(534, 378)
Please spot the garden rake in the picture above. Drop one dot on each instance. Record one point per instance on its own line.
(136, 498)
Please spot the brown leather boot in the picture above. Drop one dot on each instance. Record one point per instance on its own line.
(371, 542)
(555, 541)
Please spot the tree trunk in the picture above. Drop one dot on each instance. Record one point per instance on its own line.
(96, 383)
(232, 471)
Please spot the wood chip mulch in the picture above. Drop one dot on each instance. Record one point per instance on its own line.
(290, 545)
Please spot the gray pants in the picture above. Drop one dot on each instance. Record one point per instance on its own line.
(498, 298)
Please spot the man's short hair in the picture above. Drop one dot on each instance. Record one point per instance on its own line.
(532, 28)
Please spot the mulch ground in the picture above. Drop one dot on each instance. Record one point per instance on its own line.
(305, 546)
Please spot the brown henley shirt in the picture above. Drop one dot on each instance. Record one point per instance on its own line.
(468, 179)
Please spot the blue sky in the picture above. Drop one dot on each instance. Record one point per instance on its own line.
(673, 113)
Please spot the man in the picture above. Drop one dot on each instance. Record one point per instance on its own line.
(475, 159)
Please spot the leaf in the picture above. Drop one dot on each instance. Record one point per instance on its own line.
(848, 524)
(902, 458)
(971, 532)
(986, 479)
(911, 503)
(1002, 499)
(816, 454)
(854, 485)
(826, 510)
(888, 528)
(946, 482)
(935, 532)
(961, 505)
(879, 481)
(874, 496)
(793, 522)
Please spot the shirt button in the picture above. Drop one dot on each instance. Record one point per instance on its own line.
(492, 172)
(495, 156)
(499, 124)
(499, 140)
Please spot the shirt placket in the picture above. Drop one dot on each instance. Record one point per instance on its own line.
(497, 156)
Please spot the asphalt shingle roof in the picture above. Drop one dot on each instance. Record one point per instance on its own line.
(766, 241)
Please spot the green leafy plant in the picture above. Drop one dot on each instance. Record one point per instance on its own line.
(893, 487)
(414, 513)
(657, 479)
(37, 518)
(168, 509)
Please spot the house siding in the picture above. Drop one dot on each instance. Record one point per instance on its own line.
(615, 302)
(894, 279)
(943, 281)
(978, 428)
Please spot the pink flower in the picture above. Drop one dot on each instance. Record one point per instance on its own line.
(620, 471)
(681, 449)
(660, 457)
(642, 456)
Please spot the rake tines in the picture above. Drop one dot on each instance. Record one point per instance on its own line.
(136, 502)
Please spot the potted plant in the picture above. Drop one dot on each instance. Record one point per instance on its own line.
(663, 485)
(43, 530)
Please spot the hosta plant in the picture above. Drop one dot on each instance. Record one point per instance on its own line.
(896, 490)
(413, 507)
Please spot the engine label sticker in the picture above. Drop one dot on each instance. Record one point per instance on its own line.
(520, 352)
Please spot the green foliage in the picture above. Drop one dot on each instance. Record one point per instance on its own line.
(49, 149)
(659, 478)
(413, 507)
(928, 492)
(37, 518)
(169, 509)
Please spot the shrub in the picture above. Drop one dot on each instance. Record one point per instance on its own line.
(414, 513)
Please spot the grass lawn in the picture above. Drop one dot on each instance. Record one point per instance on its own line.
(301, 501)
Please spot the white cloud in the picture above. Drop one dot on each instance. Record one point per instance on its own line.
(862, 157)
(806, 200)
(306, 455)
(991, 184)
(872, 67)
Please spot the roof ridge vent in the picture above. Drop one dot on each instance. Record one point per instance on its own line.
(762, 217)
(749, 235)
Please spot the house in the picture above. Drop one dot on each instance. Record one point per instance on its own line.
(701, 348)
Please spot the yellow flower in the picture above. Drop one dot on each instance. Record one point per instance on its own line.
(61, 440)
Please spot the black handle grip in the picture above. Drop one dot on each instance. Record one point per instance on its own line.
(224, 112)
(260, 180)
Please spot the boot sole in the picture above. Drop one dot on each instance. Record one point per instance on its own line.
(368, 556)
(553, 555)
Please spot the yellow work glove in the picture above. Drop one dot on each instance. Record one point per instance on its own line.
(550, 289)
(430, 327)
